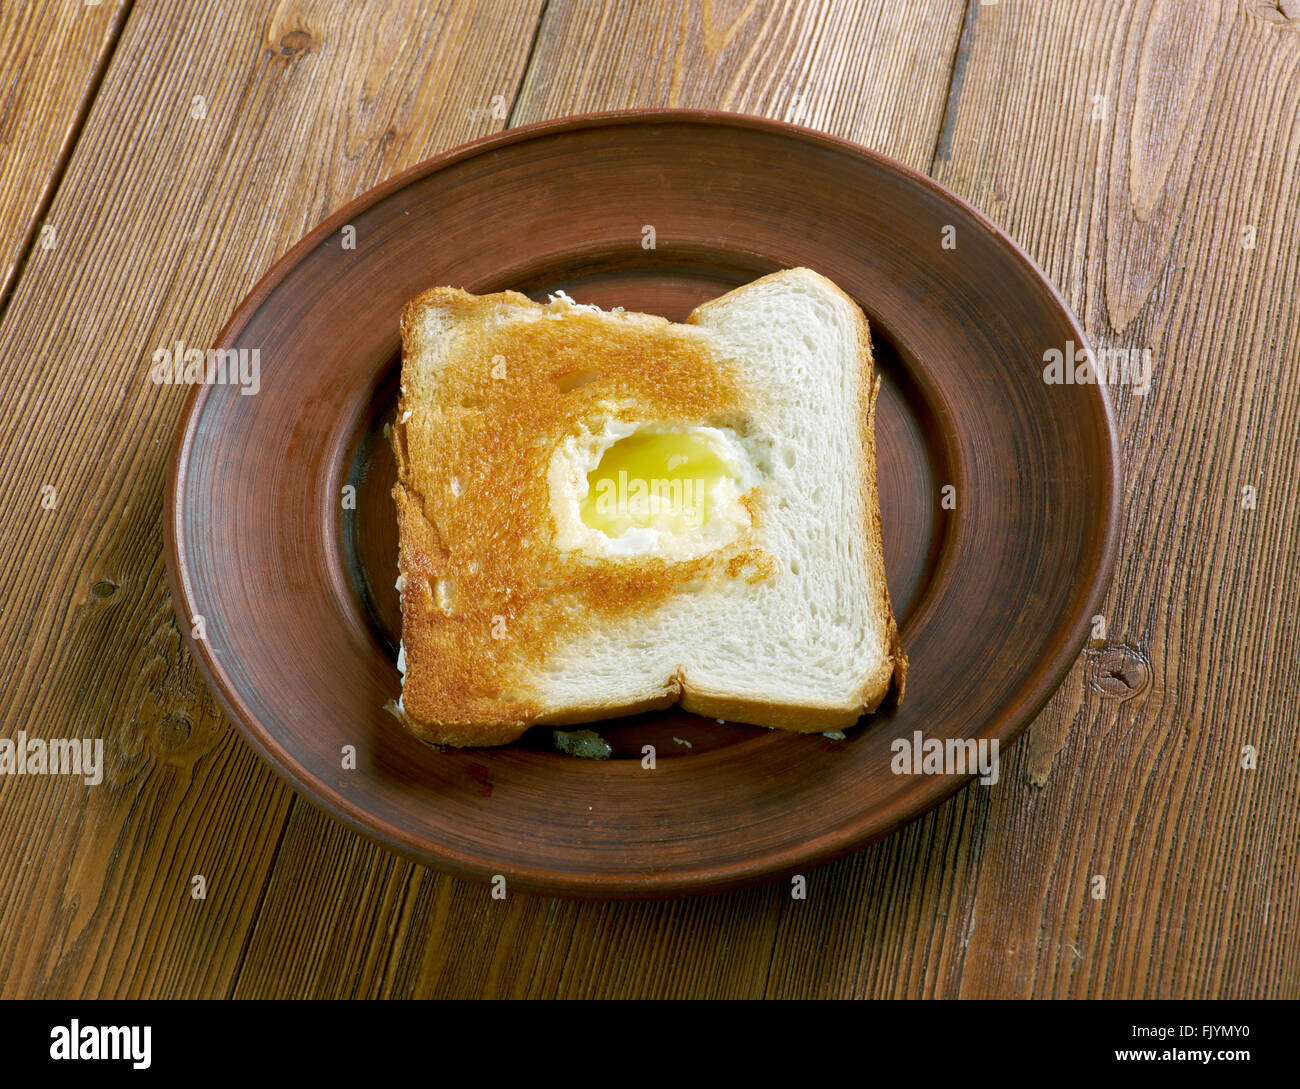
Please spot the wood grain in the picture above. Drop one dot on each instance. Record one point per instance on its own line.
(873, 73)
(1142, 217)
(171, 208)
(51, 59)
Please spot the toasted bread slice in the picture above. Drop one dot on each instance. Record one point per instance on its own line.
(515, 612)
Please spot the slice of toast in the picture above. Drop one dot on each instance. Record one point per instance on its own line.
(773, 609)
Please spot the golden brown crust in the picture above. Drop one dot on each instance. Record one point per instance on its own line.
(485, 593)
(799, 718)
(894, 669)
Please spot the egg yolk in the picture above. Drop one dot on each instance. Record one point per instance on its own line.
(657, 480)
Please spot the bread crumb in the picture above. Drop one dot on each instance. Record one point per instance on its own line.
(683, 741)
(834, 735)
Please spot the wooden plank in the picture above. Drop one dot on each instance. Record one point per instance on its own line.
(337, 901)
(875, 75)
(217, 139)
(1146, 155)
(51, 60)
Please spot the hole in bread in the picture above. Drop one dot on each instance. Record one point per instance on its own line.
(567, 383)
(471, 400)
(794, 565)
(456, 486)
(787, 457)
(444, 591)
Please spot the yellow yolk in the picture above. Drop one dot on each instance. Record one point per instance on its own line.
(653, 480)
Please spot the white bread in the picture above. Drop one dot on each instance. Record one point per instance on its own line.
(787, 625)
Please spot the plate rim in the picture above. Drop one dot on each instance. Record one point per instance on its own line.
(1049, 672)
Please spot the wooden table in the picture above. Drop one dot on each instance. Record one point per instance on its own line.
(158, 157)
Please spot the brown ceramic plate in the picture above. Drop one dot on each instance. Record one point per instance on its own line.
(301, 619)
